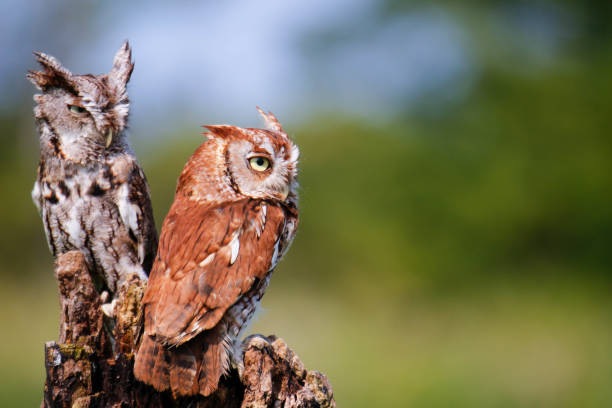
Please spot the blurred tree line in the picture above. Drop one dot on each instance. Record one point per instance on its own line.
(507, 186)
(514, 175)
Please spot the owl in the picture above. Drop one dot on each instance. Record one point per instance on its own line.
(90, 191)
(234, 216)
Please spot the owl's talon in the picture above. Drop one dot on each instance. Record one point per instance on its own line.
(109, 308)
(257, 340)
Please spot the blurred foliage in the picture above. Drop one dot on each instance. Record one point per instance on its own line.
(593, 16)
(457, 255)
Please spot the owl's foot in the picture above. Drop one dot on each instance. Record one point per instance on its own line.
(237, 356)
(258, 340)
(108, 308)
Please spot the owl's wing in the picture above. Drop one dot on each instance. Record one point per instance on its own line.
(208, 258)
(135, 209)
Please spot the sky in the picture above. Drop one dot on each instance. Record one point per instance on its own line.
(213, 62)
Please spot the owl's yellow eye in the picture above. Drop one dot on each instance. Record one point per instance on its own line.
(76, 109)
(259, 163)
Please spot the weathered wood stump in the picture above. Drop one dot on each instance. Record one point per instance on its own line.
(91, 364)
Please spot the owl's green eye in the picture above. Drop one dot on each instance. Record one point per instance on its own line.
(259, 163)
(76, 109)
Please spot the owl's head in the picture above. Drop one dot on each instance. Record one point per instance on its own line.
(82, 115)
(235, 163)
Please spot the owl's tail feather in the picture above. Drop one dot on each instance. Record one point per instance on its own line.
(151, 364)
(215, 360)
(192, 368)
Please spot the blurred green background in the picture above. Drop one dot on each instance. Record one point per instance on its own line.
(455, 179)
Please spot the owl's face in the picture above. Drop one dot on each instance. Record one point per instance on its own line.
(72, 123)
(86, 114)
(235, 163)
(262, 164)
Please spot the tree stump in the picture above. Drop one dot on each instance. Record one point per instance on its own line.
(91, 365)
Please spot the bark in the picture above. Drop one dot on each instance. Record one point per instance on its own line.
(91, 364)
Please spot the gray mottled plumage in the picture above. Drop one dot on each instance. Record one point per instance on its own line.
(91, 192)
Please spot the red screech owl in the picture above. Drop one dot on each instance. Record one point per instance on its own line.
(90, 191)
(233, 217)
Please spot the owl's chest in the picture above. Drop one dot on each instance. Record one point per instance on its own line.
(72, 201)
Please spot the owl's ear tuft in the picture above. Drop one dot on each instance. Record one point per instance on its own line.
(219, 131)
(53, 74)
(122, 67)
(41, 80)
(270, 120)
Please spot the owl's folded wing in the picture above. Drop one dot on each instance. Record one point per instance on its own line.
(135, 209)
(207, 258)
(145, 231)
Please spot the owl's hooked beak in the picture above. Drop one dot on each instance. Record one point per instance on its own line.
(284, 192)
(109, 138)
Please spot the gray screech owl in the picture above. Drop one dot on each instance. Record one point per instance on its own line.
(91, 192)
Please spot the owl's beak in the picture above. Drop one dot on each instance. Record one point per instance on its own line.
(109, 137)
(284, 192)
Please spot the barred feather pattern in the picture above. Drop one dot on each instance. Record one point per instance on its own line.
(91, 192)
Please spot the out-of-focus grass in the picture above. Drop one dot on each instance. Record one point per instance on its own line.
(29, 315)
(526, 342)
(537, 341)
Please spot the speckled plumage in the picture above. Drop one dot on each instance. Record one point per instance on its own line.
(225, 232)
(91, 192)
